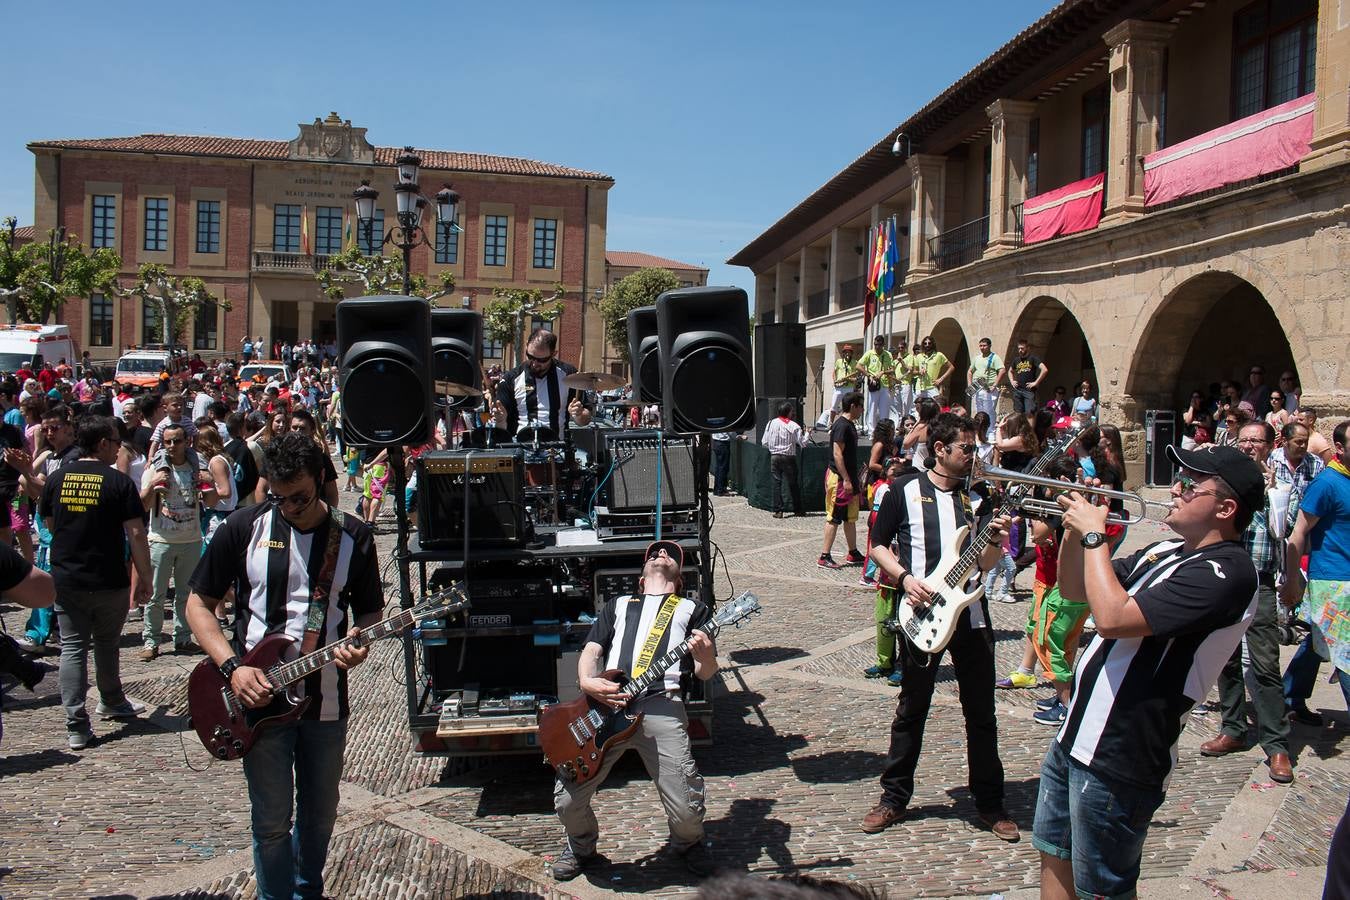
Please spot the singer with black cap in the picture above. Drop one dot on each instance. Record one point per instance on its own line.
(1168, 618)
(631, 632)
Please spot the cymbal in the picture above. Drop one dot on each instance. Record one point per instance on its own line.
(637, 403)
(453, 389)
(593, 381)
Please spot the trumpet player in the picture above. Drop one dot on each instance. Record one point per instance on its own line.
(1168, 618)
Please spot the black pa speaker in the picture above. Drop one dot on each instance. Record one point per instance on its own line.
(766, 410)
(780, 360)
(706, 383)
(456, 344)
(385, 346)
(644, 353)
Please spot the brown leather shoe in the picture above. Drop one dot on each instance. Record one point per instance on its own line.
(1222, 746)
(1002, 825)
(880, 818)
(1281, 768)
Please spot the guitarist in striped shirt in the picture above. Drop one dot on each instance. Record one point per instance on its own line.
(630, 633)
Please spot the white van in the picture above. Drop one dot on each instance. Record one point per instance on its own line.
(20, 343)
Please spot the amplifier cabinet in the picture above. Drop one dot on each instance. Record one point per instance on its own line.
(634, 455)
(494, 481)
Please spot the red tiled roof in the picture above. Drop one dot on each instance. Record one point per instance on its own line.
(641, 260)
(248, 148)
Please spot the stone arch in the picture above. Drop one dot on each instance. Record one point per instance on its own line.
(1057, 337)
(950, 338)
(1212, 326)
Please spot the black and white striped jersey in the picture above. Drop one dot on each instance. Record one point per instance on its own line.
(272, 567)
(919, 521)
(1131, 696)
(623, 626)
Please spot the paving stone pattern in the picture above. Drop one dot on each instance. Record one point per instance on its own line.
(800, 740)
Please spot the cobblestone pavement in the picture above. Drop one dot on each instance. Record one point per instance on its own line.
(800, 739)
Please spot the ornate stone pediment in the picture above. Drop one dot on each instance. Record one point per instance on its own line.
(332, 140)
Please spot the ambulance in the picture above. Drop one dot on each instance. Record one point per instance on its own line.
(20, 344)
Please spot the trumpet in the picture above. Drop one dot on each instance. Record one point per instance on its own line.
(1038, 505)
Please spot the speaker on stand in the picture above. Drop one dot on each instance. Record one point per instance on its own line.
(644, 354)
(385, 346)
(780, 360)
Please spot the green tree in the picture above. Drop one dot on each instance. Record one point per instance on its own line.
(505, 314)
(177, 299)
(377, 275)
(633, 291)
(37, 278)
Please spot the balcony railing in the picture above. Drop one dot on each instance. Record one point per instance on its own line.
(851, 292)
(299, 263)
(962, 244)
(818, 304)
(1017, 224)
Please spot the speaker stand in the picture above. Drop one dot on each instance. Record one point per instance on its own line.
(702, 466)
(405, 597)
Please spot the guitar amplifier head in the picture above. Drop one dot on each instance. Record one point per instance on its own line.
(634, 455)
(492, 482)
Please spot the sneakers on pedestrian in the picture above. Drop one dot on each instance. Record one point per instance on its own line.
(876, 672)
(866, 582)
(1055, 715)
(698, 859)
(778, 515)
(1304, 716)
(1016, 680)
(568, 865)
(826, 561)
(895, 678)
(147, 654)
(127, 709)
(854, 558)
(1005, 597)
(29, 646)
(1047, 702)
(78, 740)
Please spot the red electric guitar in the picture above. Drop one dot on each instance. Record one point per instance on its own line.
(229, 729)
(575, 735)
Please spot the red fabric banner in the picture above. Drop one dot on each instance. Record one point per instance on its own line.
(1273, 139)
(1067, 210)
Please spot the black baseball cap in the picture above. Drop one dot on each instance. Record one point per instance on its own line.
(1238, 470)
(672, 549)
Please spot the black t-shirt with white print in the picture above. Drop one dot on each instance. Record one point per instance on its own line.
(1131, 696)
(272, 566)
(623, 627)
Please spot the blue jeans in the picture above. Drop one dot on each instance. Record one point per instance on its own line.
(294, 767)
(721, 454)
(1301, 674)
(1005, 567)
(1098, 825)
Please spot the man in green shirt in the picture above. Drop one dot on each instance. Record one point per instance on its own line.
(879, 367)
(902, 390)
(986, 371)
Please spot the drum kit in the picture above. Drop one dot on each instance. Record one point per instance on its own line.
(548, 457)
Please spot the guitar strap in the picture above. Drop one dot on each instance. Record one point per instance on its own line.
(323, 584)
(663, 617)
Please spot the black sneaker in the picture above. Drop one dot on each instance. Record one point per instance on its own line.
(1047, 702)
(568, 865)
(854, 558)
(826, 561)
(698, 859)
(1305, 716)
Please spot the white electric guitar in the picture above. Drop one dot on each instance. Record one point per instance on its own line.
(931, 626)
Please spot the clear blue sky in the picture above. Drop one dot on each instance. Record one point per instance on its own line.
(715, 118)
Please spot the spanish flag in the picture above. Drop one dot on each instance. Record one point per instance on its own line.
(304, 229)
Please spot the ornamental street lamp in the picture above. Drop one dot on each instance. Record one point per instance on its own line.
(411, 206)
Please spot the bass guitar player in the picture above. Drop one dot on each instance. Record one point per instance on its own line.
(629, 635)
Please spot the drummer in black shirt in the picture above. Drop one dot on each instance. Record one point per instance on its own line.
(532, 395)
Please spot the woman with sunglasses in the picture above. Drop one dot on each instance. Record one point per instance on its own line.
(1278, 417)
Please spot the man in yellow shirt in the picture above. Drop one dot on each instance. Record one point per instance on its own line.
(879, 367)
(845, 378)
(934, 369)
(902, 389)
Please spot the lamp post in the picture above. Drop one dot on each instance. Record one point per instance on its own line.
(411, 206)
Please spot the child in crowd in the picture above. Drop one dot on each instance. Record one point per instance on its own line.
(352, 458)
(884, 610)
(1005, 567)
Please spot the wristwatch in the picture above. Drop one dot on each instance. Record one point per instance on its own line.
(228, 666)
(1092, 540)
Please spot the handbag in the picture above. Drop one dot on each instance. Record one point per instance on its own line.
(874, 384)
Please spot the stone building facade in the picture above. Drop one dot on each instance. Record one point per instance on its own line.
(1154, 299)
(258, 219)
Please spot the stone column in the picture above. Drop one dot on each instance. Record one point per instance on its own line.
(928, 175)
(1011, 121)
(837, 251)
(1137, 54)
(305, 319)
(1331, 120)
(782, 289)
